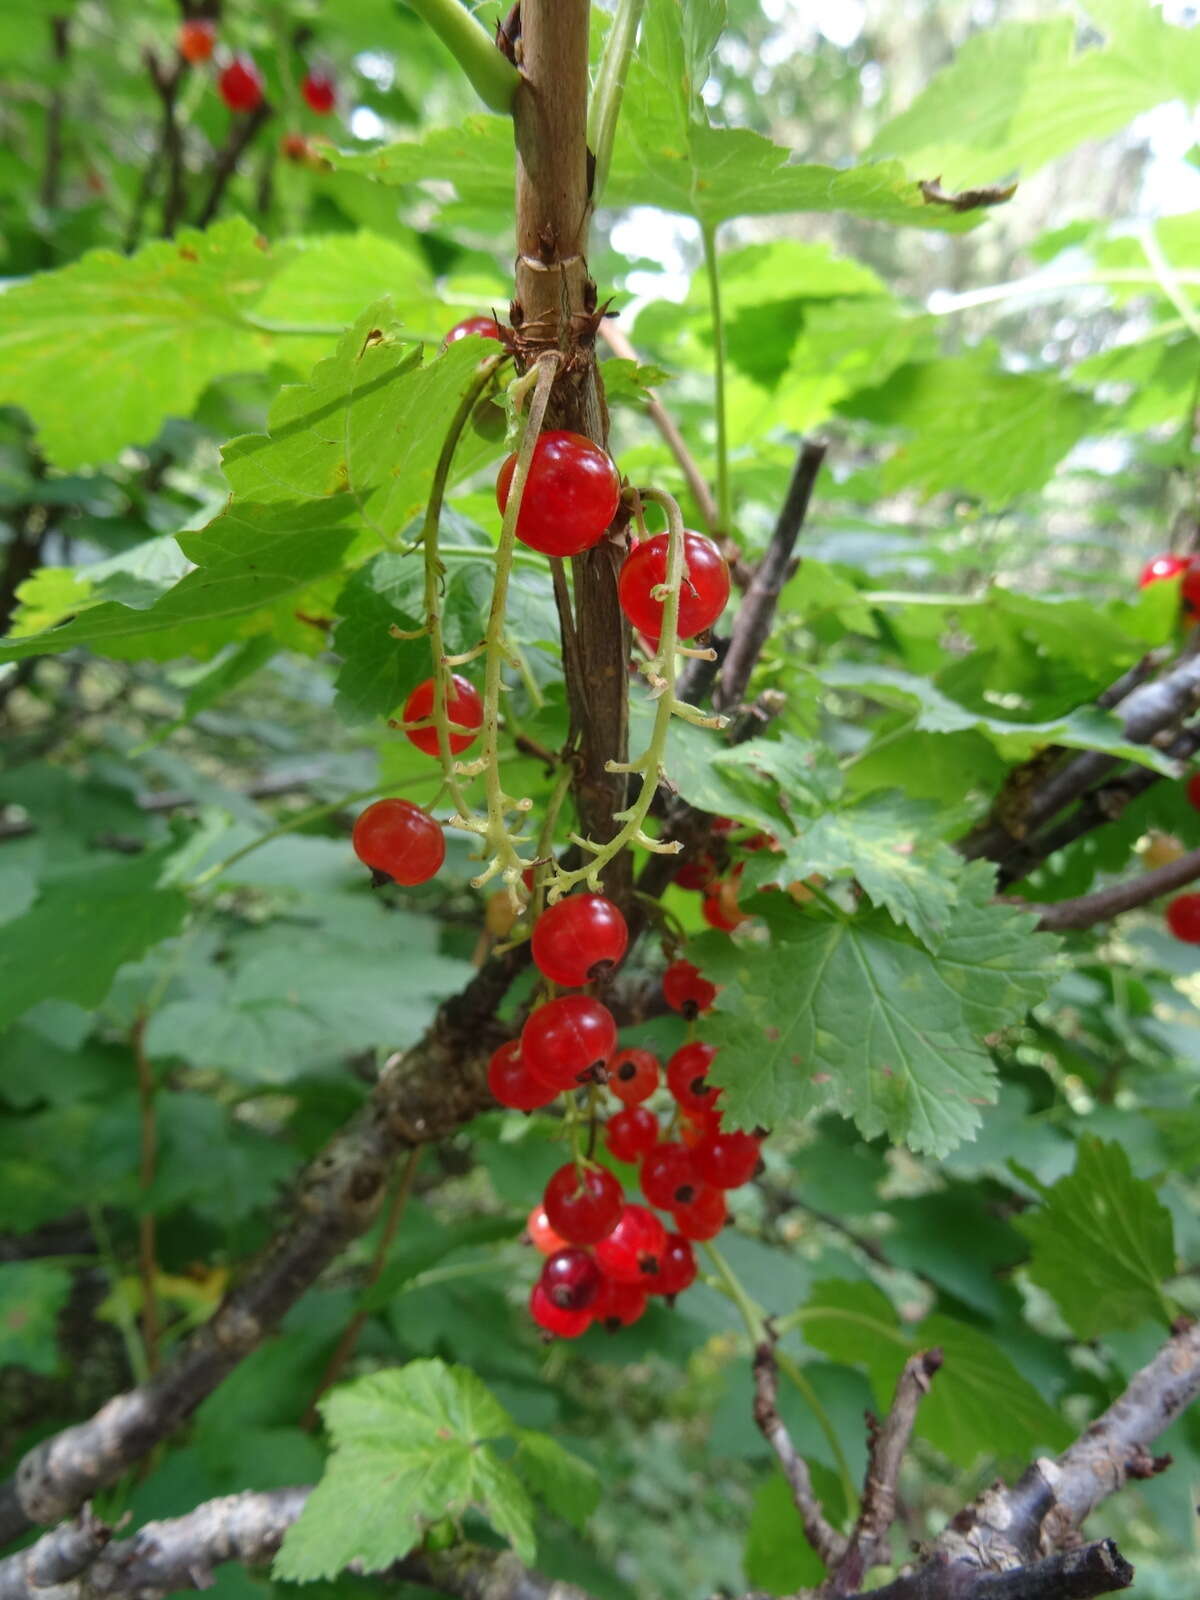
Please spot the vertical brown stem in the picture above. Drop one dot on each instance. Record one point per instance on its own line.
(147, 1244)
(52, 166)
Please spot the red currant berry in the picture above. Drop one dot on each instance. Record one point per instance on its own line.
(1160, 568)
(571, 1279)
(570, 497)
(677, 1268)
(668, 1178)
(698, 1126)
(702, 595)
(1189, 589)
(240, 85)
(1183, 917)
(512, 1083)
(727, 1160)
(719, 908)
(721, 826)
(318, 90)
(704, 1216)
(568, 1041)
(399, 841)
(1193, 790)
(697, 874)
(631, 1133)
(541, 1235)
(464, 708)
(583, 1204)
(686, 991)
(632, 1251)
(633, 1076)
(196, 39)
(618, 1304)
(687, 1077)
(294, 147)
(579, 939)
(485, 327)
(553, 1319)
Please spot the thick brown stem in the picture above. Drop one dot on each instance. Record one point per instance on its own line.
(1085, 910)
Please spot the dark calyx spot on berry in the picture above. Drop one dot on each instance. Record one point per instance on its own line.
(379, 879)
(562, 1295)
(689, 1010)
(596, 1073)
(685, 1194)
(699, 1087)
(648, 1265)
(626, 1071)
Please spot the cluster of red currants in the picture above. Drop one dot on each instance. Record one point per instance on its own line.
(239, 82)
(1186, 568)
(718, 883)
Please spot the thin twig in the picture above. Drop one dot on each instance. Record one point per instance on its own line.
(147, 1166)
(825, 1540)
(242, 130)
(1085, 910)
(166, 82)
(52, 167)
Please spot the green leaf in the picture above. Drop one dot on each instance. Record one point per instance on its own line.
(778, 1558)
(32, 1293)
(569, 1486)
(978, 1403)
(81, 930)
(101, 351)
(853, 1015)
(1102, 1243)
(476, 156)
(857, 1323)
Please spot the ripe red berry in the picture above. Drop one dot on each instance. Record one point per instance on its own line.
(1193, 790)
(702, 595)
(632, 1251)
(583, 1204)
(464, 708)
(686, 991)
(568, 1041)
(399, 841)
(1189, 589)
(566, 1324)
(571, 1279)
(633, 1076)
(727, 1160)
(698, 1126)
(1164, 566)
(240, 84)
(687, 1077)
(1183, 917)
(579, 939)
(677, 1268)
(541, 1235)
(294, 147)
(512, 1083)
(570, 497)
(719, 908)
(631, 1133)
(485, 327)
(618, 1304)
(697, 874)
(668, 1178)
(196, 39)
(703, 1216)
(318, 89)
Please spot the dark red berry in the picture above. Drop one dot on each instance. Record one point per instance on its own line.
(571, 1279)
(512, 1083)
(668, 1178)
(677, 1267)
(1183, 917)
(686, 991)
(579, 939)
(702, 595)
(294, 147)
(618, 1304)
(704, 1216)
(727, 1160)
(196, 39)
(240, 84)
(1193, 790)
(719, 908)
(1189, 589)
(400, 841)
(318, 90)
(1164, 566)
(631, 1133)
(541, 1235)
(582, 1204)
(485, 327)
(464, 709)
(568, 1041)
(632, 1251)
(697, 874)
(633, 1076)
(687, 1077)
(697, 1126)
(565, 1324)
(570, 497)
(720, 826)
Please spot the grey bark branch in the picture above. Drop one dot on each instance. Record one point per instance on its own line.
(1085, 910)
(1094, 1569)
(829, 1545)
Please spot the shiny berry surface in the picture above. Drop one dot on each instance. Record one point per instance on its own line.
(702, 595)
(1183, 917)
(1164, 566)
(241, 85)
(704, 1216)
(633, 1075)
(727, 1160)
(554, 1319)
(570, 497)
(571, 1279)
(485, 327)
(618, 1304)
(687, 1077)
(541, 1235)
(582, 1204)
(676, 1267)
(319, 92)
(512, 1083)
(197, 36)
(579, 939)
(631, 1133)
(668, 1178)
(631, 1252)
(464, 709)
(686, 991)
(399, 840)
(568, 1041)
